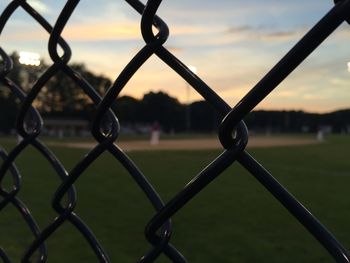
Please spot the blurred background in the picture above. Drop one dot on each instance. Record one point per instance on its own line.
(300, 133)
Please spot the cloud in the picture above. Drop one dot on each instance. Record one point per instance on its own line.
(280, 36)
(262, 33)
(102, 31)
(287, 93)
(173, 49)
(234, 94)
(313, 96)
(242, 28)
(243, 34)
(343, 33)
(340, 82)
(192, 30)
(129, 30)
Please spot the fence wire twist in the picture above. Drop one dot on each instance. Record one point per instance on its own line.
(233, 133)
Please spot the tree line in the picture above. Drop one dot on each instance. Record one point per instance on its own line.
(59, 98)
(62, 98)
(298, 121)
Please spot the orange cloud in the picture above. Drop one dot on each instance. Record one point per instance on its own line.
(281, 36)
(101, 31)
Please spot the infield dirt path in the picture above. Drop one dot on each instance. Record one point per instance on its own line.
(198, 144)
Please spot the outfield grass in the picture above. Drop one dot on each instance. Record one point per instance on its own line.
(145, 137)
(122, 137)
(233, 220)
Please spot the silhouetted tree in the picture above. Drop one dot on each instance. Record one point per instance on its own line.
(160, 107)
(204, 118)
(127, 109)
(60, 96)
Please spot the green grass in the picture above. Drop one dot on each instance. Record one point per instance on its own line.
(122, 137)
(141, 137)
(233, 220)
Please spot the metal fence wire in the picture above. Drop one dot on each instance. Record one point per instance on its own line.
(233, 133)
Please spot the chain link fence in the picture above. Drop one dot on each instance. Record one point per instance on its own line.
(233, 133)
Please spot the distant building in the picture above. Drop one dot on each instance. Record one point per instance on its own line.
(347, 130)
(305, 129)
(326, 129)
(66, 127)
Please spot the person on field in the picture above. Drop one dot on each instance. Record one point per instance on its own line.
(155, 133)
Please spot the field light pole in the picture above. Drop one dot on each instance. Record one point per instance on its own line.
(29, 59)
(188, 109)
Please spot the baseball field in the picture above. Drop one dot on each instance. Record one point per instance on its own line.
(233, 220)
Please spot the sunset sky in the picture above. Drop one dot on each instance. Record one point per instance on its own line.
(232, 43)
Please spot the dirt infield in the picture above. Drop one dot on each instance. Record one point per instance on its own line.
(198, 144)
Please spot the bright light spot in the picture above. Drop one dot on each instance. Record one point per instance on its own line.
(349, 66)
(29, 58)
(193, 69)
(39, 6)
